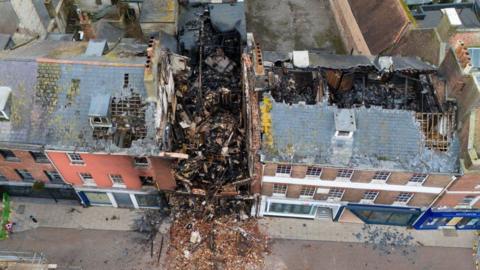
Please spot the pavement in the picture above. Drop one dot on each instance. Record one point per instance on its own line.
(324, 255)
(326, 230)
(69, 214)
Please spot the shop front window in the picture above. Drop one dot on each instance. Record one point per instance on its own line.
(384, 216)
(98, 198)
(147, 200)
(294, 209)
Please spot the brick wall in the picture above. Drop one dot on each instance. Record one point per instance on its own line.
(399, 178)
(434, 180)
(420, 199)
(353, 195)
(362, 176)
(267, 189)
(293, 191)
(100, 166)
(299, 171)
(7, 168)
(386, 197)
(349, 30)
(329, 174)
(269, 169)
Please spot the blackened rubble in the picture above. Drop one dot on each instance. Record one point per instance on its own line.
(211, 227)
(210, 128)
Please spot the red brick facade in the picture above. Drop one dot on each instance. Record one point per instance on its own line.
(25, 162)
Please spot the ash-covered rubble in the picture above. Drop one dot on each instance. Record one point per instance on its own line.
(209, 115)
(211, 226)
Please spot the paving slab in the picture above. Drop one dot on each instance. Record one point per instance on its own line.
(326, 230)
(34, 213)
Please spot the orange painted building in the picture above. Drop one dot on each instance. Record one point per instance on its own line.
(118, 180)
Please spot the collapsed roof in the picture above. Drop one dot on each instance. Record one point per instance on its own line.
(65, 99)
(355, 111)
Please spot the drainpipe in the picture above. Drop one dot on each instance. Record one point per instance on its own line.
(454, 178)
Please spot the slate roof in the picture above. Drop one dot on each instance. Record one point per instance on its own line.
(51, 101)
(383, 139)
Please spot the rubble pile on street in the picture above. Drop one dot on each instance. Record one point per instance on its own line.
(220, 243)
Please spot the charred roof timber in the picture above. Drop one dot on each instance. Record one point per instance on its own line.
(360, 111)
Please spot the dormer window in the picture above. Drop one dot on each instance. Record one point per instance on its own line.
(5, 93)
(99, 112)
(345, 123)
(343, 134)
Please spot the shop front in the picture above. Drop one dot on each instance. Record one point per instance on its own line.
(284, 207)
(449, 218)
(384, 214)
(120, 198)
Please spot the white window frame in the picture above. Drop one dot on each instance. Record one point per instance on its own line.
(282, 173)
(279, 194)
(90, 182)
(75, 161)
(343, 178)
(367, 194)
(304, 188)
(382, 179)
(403, 195)
(141, 165)
(316, 169)
(114, 183)
(334, 191)
(417, 176)
(463, 205)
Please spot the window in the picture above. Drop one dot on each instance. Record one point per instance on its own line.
(3, 178)
(403, 197)
(75, 158)
(141, 161)
(147, 180)
(468, 201)
(292, 209)
(343, 133)
(344, 173)
(370, 195)
(284, 169)
(117, 180)
(39, 157)
(381, 176)
(314, 171)
(418, 178)
(54, 177)
(97, 198)
(335, 194)
(87, 179)
(307, 191)
(279, 189)
(25, 175)
(8, 155)
(148, 200)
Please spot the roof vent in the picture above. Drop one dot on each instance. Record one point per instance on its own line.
(99, 112)
(96, 47)
(301, 59)
(5, 93)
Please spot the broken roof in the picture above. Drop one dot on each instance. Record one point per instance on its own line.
(345, 62)
(382, 139)
(52, 98)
